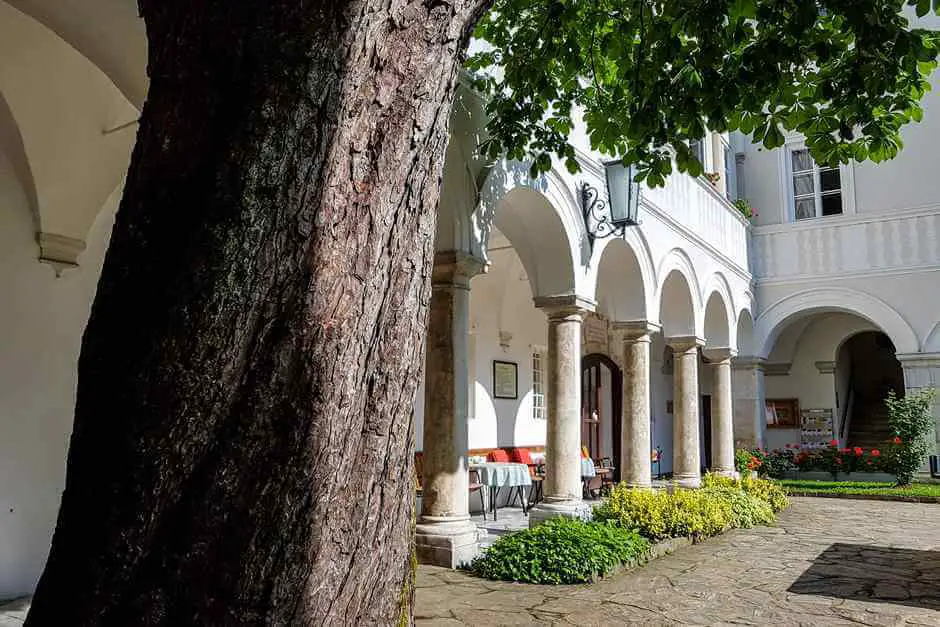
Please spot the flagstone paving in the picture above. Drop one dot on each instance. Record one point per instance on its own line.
(829, 562)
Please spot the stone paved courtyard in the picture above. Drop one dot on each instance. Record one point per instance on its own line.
(829, 562)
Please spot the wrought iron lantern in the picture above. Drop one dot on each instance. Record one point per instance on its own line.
(605, 218)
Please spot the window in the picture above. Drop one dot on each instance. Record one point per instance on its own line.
(730, 171)
(816, 190)
(697, 146)
(538, 385)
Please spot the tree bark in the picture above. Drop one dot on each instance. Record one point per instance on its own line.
(243, 437)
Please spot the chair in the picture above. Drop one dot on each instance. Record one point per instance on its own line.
(607, 477)
(498, 455)
(476, 486)
(523, 456)
(419, 472)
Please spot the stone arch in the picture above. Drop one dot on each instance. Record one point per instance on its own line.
(719, 321)
(678, 296)
(624, 284)
(744, 333)
(779, 315)
(540, 218)
(932, 341)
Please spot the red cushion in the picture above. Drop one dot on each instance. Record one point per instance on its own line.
(497, 455)
(521, 456)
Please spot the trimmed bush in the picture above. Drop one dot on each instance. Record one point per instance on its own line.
(746, 509)
(561, 551)
(912, 420)
(767, 491)
(658, 515)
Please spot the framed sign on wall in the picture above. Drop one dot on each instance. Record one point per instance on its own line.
(783, 413)
(505, 379)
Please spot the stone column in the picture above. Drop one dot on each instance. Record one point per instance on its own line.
(747, 390)
(922, 370)
(686, 464)
(562, 487)
(722, 417)
(445, 536)
(635, 447)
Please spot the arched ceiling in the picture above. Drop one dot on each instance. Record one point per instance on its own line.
(64, 110)
(110, 33)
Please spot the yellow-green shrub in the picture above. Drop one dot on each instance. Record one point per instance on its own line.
(659, 514)
(746, 509)
(767, 491)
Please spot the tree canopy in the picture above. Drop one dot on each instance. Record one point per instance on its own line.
(649, 76)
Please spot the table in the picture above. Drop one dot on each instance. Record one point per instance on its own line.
(496, 475)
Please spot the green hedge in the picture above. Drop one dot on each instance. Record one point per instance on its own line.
(561, 551)
(721, 503)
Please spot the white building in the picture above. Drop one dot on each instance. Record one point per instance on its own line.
(823, 309)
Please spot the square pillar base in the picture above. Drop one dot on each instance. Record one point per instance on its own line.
(559, 509)
(449, 544)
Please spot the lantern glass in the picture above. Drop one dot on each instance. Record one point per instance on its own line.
(623, 193)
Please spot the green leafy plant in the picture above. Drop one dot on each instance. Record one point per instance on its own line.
(746, 509)
(658, 514)
(912, 420)
(649, 77)
(561, 551)
(743, 460)
(767, 491)
(744, 206)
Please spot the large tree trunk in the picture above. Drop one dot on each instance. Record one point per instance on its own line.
(241, 451)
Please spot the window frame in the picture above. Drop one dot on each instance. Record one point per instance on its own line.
(788, 197)
(539, 387)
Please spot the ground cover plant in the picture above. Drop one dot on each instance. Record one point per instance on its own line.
(561, 551)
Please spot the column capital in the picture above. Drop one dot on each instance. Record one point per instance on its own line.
(684, 343)
(919, 360)
(748, 362)
(636, 330)
(558, 307)
(719, 354)
(826, 367)
(454, 267)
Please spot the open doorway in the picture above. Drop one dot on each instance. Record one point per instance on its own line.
(871, 370)
(601, 402)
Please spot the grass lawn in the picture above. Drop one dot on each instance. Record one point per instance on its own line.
(861, 488)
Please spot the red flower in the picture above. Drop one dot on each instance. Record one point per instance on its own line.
(858, 451)
(897, 440)
(839, 460)
(834, 443)
(869, 462)
(875, 453)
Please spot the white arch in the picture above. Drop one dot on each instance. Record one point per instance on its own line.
(535, 228)
(744, 332)
(932, 341)
(635, 242)
(678, 260)
(717, 284)
(776, 317)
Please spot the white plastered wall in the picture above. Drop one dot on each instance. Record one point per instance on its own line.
(41, 322)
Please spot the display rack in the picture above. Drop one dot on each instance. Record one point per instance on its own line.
(815, 428)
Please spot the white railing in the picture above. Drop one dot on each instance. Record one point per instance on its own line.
(702, 213)
(845, 245)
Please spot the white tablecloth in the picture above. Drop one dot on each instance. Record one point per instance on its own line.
(502, 474)
(587, 468)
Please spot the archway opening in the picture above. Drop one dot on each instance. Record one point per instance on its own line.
(868, 363)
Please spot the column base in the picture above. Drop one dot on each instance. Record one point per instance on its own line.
(446, 542)
(559, 509)
(724, 472)
(689, 482)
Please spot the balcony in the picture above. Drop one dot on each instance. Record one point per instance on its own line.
(843, 246)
